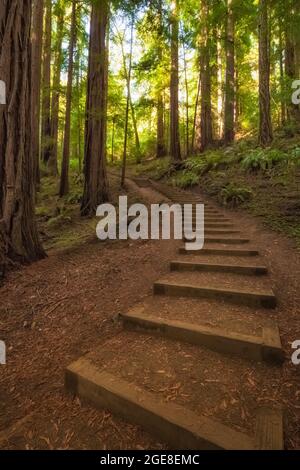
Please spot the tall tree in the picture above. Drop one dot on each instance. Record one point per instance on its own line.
(18, 231)
(56, 85)
(229, 130)
(265, 126)
(46, 94)
(96, 190)
(64, 179)
(128, 76)
(161, 146)
(187, 110)
(205, 78)
(36, 69)
(195, 137)
(174, 89)
(128, 80)
(292, 42)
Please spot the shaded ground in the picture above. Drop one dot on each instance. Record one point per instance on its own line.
(62, 307)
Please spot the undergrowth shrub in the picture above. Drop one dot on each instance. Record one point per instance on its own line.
(263, 159)
(233, 195)
(185, 179)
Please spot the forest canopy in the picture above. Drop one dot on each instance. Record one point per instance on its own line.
(117, 82)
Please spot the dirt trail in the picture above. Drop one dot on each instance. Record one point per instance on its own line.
(54, 312)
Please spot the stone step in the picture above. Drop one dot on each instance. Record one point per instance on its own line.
(210, 312)
(209, 218)
(220, 251)
(265, 299)
(174, 424)
(213, 267)
(266, 347)
(178, 426)
(221, 225)
(224, 240)
(211, 231)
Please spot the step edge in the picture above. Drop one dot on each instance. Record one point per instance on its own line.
(86, 380)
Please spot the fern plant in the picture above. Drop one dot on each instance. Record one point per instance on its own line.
(185, 179)
(233, 195)
(263, 160)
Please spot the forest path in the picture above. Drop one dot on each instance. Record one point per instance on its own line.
(196, 360)
(60, 309)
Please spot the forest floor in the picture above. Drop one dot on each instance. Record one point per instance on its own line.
(65, 306)
(55, 311)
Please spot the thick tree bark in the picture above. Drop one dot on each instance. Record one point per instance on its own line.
(52, 163)
(64, 179)
(205, 77)
(96, 189)
(19, 235)
(265, 127)
(36, 73)
(46, 94)
(229, 131)
(174, 99)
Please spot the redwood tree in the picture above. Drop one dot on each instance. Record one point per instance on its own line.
(174, 100)
(18, 232)
(46, 90)
(160, 147)
(205, 78)
(64, 179)
(229, 130)
(96, 189)
(36, 69)
(265, 125)
(58, 60)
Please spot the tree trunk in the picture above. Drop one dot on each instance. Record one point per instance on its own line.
(161, 146)
(229, 131)
(282, 78)
(128, 74)
(79, 113)
(96, 189)
(52, 163)
(19, 235)
(291, 54)
(128, 80)
(113, 140)
(205, 77)
(174, 100)
(265, 128)
(46, 95)
(220, 87)
(36, 73)
(187, 116)
(195, 141)
(64, 180)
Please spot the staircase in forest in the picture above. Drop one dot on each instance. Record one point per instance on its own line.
(180, 364)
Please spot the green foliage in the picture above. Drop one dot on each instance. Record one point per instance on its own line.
(185, 179)
(296, 155)
(212, 160)
(233, 195)
(263, 159)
